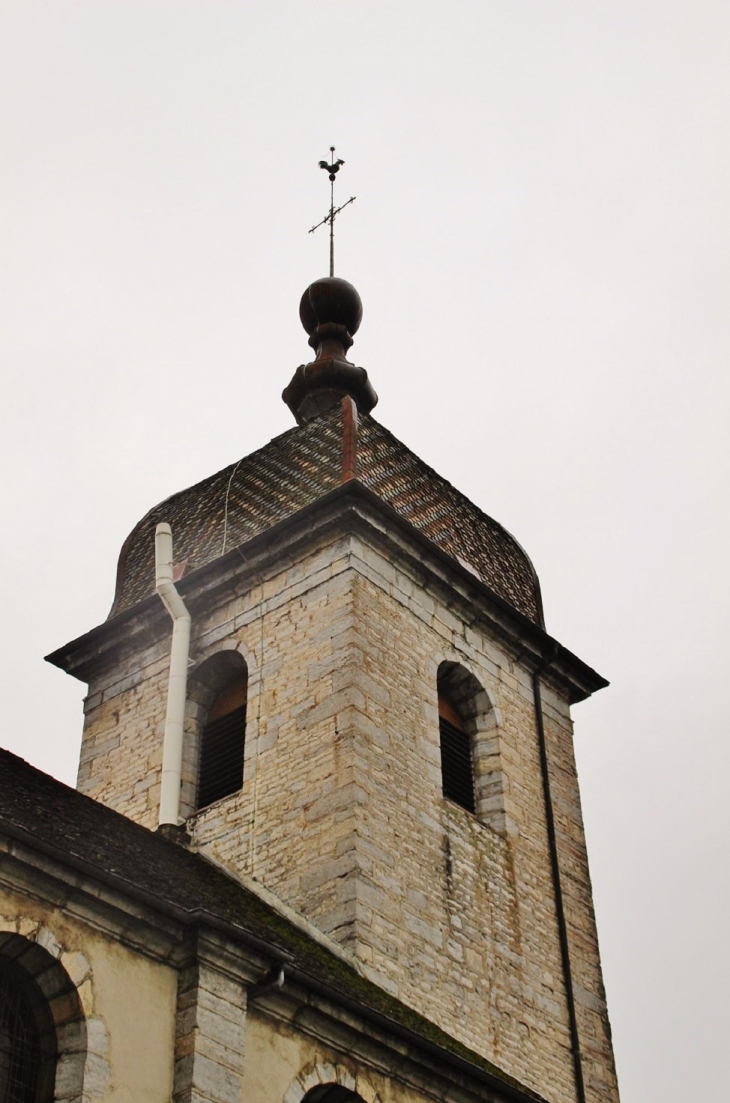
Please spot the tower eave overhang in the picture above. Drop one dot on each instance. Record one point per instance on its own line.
(349, 509)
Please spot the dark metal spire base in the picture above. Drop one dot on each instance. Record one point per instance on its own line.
(330, 311)
(317, 387)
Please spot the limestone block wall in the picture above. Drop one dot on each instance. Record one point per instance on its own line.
(461, 917)
(121, 749)
(457, 917)
(341, 812)
(297, 809)
(209, 1036)
(290, 617)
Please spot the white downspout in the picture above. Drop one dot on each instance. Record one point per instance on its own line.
(172, 747)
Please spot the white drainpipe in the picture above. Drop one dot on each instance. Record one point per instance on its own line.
(177, 686)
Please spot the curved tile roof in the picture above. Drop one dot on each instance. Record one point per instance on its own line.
(300, 466)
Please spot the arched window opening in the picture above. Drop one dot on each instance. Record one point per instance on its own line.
(222, 742)
(331, 1093)
(457, 770)
(27, 1038)
(473, 766)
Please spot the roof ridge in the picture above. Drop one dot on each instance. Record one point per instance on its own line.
(465, 501)
(441, 478)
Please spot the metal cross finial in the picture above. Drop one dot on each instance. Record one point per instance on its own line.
(332, 168)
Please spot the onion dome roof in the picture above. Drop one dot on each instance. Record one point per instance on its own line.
(297, 468)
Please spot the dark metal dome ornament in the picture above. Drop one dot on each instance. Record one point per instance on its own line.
(331, 312)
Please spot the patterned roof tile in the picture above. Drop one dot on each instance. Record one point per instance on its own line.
(294, 470)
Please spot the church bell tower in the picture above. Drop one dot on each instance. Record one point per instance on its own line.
(376, 721)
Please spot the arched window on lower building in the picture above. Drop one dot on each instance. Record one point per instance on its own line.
(41, 1024)
(332, 1093)
(27, 1038)
(222, 738)
(457, 768)
(325, 1082)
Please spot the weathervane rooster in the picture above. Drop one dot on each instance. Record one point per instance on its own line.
(334, 168)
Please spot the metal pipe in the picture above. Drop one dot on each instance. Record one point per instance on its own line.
(172, 748)
(580, 1090)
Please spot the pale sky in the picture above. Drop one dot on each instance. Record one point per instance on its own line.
(540, 239)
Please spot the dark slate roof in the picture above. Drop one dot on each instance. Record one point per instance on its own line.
(294, 470)
(88, 836)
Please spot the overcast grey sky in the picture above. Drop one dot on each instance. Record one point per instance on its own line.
(540, 240)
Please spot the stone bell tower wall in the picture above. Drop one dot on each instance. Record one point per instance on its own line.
(458, 911)
(253, 612)
(344, 630)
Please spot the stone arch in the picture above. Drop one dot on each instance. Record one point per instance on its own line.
(468, 693)
(322, 1082)
(482, 720)
(58, 983)
(207, 678)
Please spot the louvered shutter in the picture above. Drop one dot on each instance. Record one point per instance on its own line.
(457, 777)
(221, 757)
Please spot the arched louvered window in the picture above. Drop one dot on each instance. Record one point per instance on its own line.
(222, 743)
(27, 1038)
(457, 771)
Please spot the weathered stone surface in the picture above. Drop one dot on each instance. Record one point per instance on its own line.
(209, 1041)
(341, 812)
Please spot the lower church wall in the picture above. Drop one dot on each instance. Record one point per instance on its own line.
(128, 1002)
(285, 1063)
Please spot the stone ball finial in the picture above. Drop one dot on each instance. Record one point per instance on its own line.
(331, 312)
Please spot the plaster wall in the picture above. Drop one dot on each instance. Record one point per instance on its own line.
(284, 1062)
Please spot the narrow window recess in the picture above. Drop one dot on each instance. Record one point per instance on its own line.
(457, 772)
(222, 746)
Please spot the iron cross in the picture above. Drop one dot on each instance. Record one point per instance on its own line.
(333, 167)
